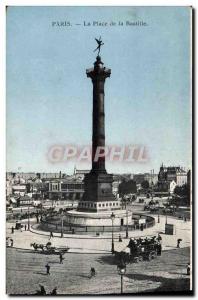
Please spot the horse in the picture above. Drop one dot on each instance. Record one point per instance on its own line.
(37, 246)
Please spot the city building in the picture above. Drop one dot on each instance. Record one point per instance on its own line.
(169, 174)
(150, 177)
(65, 189)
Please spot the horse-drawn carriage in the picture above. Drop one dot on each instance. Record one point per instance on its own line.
(140, 249)
(48, 248)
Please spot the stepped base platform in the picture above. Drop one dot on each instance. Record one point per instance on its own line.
(103, 218)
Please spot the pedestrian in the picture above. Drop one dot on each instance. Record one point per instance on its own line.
(178, 242)
(159, 249)
(188, 269)
(54, 291)
(25, 227)
(47, 269)
(42, 290)
(120, 238)
(92, 272)
(12, 229)
(159, 238)
(51, 235)
(11, 242)
(61, 258)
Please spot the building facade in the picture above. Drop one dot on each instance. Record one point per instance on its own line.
(150, 177)
(171, 174)
(65, 189)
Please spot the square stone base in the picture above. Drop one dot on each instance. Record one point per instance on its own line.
(98, 188)
(95, 206)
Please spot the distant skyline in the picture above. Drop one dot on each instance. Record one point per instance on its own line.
(147, 97)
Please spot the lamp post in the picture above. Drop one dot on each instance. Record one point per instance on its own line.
(127, 224)
(121, 271)
(62, 224)
(112, 244)
(41, 213)
(29, 215)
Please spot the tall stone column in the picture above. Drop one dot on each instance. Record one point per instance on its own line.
(98, 74)
(97, 183)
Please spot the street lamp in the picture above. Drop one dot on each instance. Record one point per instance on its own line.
(29, 215)
(127, 225)
(41, 213)
(112, 245)
(121, 267)
(62, 224)
(166, 219)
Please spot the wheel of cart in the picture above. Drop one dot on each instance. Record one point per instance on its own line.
(140, 258)
(151, 255)
(154, 253)
(136, 259)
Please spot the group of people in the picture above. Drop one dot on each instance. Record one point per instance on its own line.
(47, 266)
(42, 291)
(21, 226)
(136, 244)
(9, 242)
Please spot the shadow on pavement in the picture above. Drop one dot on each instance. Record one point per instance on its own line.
(110, 260)
(41, 273)
(83, 276)
(167, 284)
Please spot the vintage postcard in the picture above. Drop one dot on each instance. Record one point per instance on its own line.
(99, 150)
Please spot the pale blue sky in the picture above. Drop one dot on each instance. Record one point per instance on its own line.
(49, 97)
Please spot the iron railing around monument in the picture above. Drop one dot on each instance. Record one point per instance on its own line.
(56, 227)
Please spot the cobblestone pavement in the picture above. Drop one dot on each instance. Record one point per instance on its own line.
(26, 270)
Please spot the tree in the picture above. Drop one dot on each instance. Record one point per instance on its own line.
(145, 184)
(127, 187)
(184, 193)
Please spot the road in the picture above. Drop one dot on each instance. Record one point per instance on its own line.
(26, 270)
(102, 244)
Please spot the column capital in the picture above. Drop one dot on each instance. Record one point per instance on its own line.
(99, 72)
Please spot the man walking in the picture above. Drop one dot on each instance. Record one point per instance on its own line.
(42, 290)
(188, 269)
(47, 269)
(61, 258)
(178, 242)
(11, 242)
